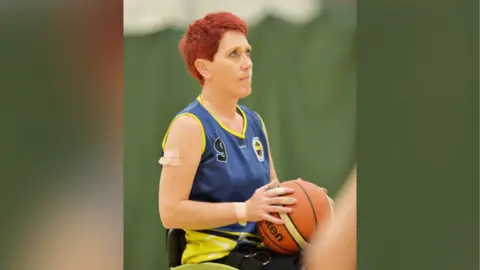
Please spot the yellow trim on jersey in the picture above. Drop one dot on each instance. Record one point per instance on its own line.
(263, 123)
(204, 141)
(203, 247)
(244, 130)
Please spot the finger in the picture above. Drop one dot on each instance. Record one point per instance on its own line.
(278, 209)
(279, 191)
(272, 219)
(268, 186)
(331, 201)
(281, 200)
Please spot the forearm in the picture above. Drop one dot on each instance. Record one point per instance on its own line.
(337, 248)
(195, 215)
(334, 247)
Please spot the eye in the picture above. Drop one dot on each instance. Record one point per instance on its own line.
(234, 53)
(248, 52)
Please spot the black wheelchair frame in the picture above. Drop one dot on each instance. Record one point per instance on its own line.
(175, 245)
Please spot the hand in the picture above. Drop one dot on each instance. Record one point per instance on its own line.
(268, 199)
(331, 201)
(299, 178)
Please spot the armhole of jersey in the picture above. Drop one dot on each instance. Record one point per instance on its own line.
(263, 123)
(204, 142)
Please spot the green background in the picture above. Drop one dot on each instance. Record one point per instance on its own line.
(304, 87)
(417, 138)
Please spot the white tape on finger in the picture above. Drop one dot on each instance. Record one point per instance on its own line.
(276, 191)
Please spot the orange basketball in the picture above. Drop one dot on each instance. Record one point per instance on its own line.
(312, 208)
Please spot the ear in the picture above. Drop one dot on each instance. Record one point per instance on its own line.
(203, 67)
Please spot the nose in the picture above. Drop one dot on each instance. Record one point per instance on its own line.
(247, 64)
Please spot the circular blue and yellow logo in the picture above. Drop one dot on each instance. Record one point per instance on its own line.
(258, 148)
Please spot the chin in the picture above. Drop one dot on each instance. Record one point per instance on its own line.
(243, 92)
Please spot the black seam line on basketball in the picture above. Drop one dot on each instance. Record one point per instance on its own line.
(289, 233)
(294, 240)
(299, 232)
(273, 242)
(311, 205)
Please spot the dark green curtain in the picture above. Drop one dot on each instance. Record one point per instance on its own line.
(304, 88)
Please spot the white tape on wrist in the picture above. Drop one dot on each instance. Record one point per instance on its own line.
(241, 212)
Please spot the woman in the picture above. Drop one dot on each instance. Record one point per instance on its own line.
(218, 178)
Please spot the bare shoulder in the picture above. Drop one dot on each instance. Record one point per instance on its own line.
(186, 131)
(186, 123)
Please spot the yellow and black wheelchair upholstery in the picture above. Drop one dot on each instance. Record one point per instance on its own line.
(246, 256)
(176, 243)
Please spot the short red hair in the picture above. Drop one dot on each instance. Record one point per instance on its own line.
(203, 37)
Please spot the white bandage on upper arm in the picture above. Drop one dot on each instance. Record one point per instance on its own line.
(170, 158)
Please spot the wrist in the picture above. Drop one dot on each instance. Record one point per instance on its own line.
(241, 213)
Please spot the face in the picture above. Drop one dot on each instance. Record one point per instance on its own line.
(231, 68)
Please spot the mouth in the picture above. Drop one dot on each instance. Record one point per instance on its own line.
(245, 78)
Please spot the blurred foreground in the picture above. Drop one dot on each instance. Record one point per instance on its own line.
(62, 91)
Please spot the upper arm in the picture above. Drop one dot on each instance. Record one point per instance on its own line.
(273, 173)
(185, 141)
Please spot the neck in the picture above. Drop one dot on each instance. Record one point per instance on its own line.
(220, 104)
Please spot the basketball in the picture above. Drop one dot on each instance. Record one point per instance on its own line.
(312, 208)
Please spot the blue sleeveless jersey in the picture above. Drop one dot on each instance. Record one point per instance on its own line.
(232, 167)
